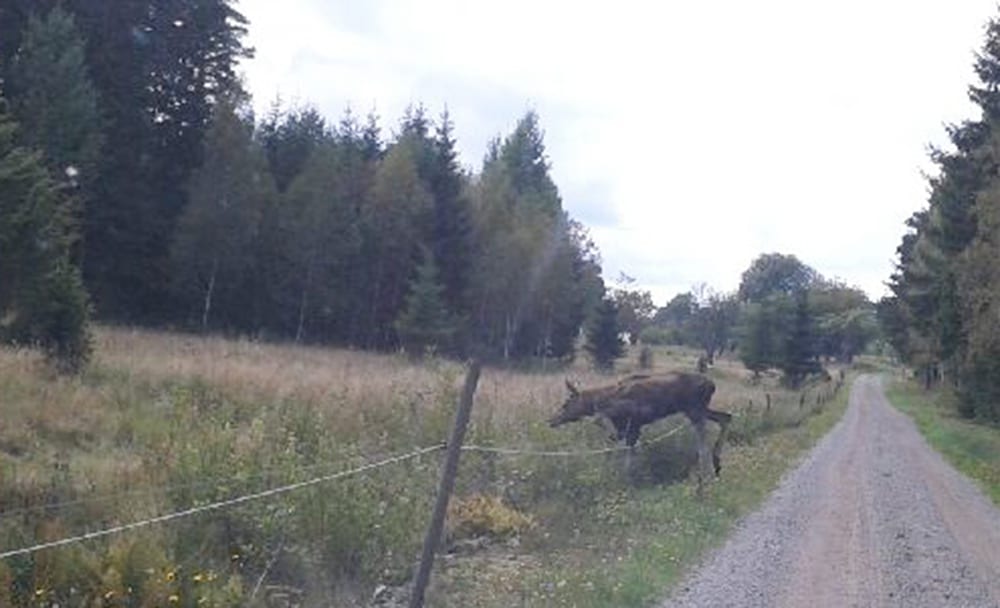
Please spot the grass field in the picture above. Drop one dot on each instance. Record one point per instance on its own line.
(164, 422)
(972, 448)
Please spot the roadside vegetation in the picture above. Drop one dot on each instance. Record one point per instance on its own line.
(941, 316)
(972, 448)
(161, 422)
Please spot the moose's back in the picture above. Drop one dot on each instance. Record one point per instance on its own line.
(673, 392)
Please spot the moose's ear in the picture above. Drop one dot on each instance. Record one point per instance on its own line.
(572, 389)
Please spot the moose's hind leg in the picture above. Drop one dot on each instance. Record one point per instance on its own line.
(700, 434)
(723, 419)
(631, 436)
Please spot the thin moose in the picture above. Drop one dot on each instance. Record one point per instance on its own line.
(641, 399)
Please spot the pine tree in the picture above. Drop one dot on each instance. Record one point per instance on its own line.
(426, 324)
(604, 342)
(42, 300)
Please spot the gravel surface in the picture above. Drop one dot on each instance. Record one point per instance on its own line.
(873, 517)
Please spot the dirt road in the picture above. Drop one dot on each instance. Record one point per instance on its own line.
(873, 517)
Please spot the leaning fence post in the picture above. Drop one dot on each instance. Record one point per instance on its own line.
(448, 473)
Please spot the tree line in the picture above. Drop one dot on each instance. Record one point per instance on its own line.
(139, 186)
(943, 311)
(785, 316)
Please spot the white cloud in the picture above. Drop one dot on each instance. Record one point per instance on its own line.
(691, 136)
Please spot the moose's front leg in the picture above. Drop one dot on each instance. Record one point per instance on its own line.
(609, 425)
(625, 416)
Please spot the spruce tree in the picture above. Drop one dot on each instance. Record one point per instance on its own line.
(756, 339)
(604, 342)
(42, 300)
(452, 231)
(425, 324)
(54, 100)
(289, 138)
(799, 356)
(533, 278)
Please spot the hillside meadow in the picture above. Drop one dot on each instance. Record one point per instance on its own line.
(164, 422)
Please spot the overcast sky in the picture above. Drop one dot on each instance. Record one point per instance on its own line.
(689, 136)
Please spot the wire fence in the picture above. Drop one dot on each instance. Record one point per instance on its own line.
(231, 502)
(220, 504)
(564, 453)
(213, 482)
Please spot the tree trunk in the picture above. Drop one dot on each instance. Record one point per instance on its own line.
(376, 293)
(207, 307)
(507, 336)
(303, 303)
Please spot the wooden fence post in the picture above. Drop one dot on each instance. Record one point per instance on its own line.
(448, 473)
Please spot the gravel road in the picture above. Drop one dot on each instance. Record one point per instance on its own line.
(873, 517)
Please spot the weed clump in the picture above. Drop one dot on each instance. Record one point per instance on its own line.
(481, 515)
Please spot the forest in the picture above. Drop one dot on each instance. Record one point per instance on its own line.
(139, 188)
(943, 314)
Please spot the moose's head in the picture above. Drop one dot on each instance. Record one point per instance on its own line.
(578, 405)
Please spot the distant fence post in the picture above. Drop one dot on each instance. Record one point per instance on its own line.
(448, 473)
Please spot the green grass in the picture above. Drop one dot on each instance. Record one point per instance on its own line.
(972, 448)
(634, 543)
(167, 421)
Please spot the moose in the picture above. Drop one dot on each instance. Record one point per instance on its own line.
(641, 399)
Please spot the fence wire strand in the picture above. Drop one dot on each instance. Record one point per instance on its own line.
(506, 451)
(489, 449)
(219, 505)
(154, 490)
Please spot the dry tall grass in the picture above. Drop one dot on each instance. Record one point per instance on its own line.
(173, 420)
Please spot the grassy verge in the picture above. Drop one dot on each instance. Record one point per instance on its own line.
(972, 448)
(632, 544)
(164, 422)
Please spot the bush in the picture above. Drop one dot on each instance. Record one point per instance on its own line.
(662, 336)
(646, 358)
(604, 341)
(60, 319)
